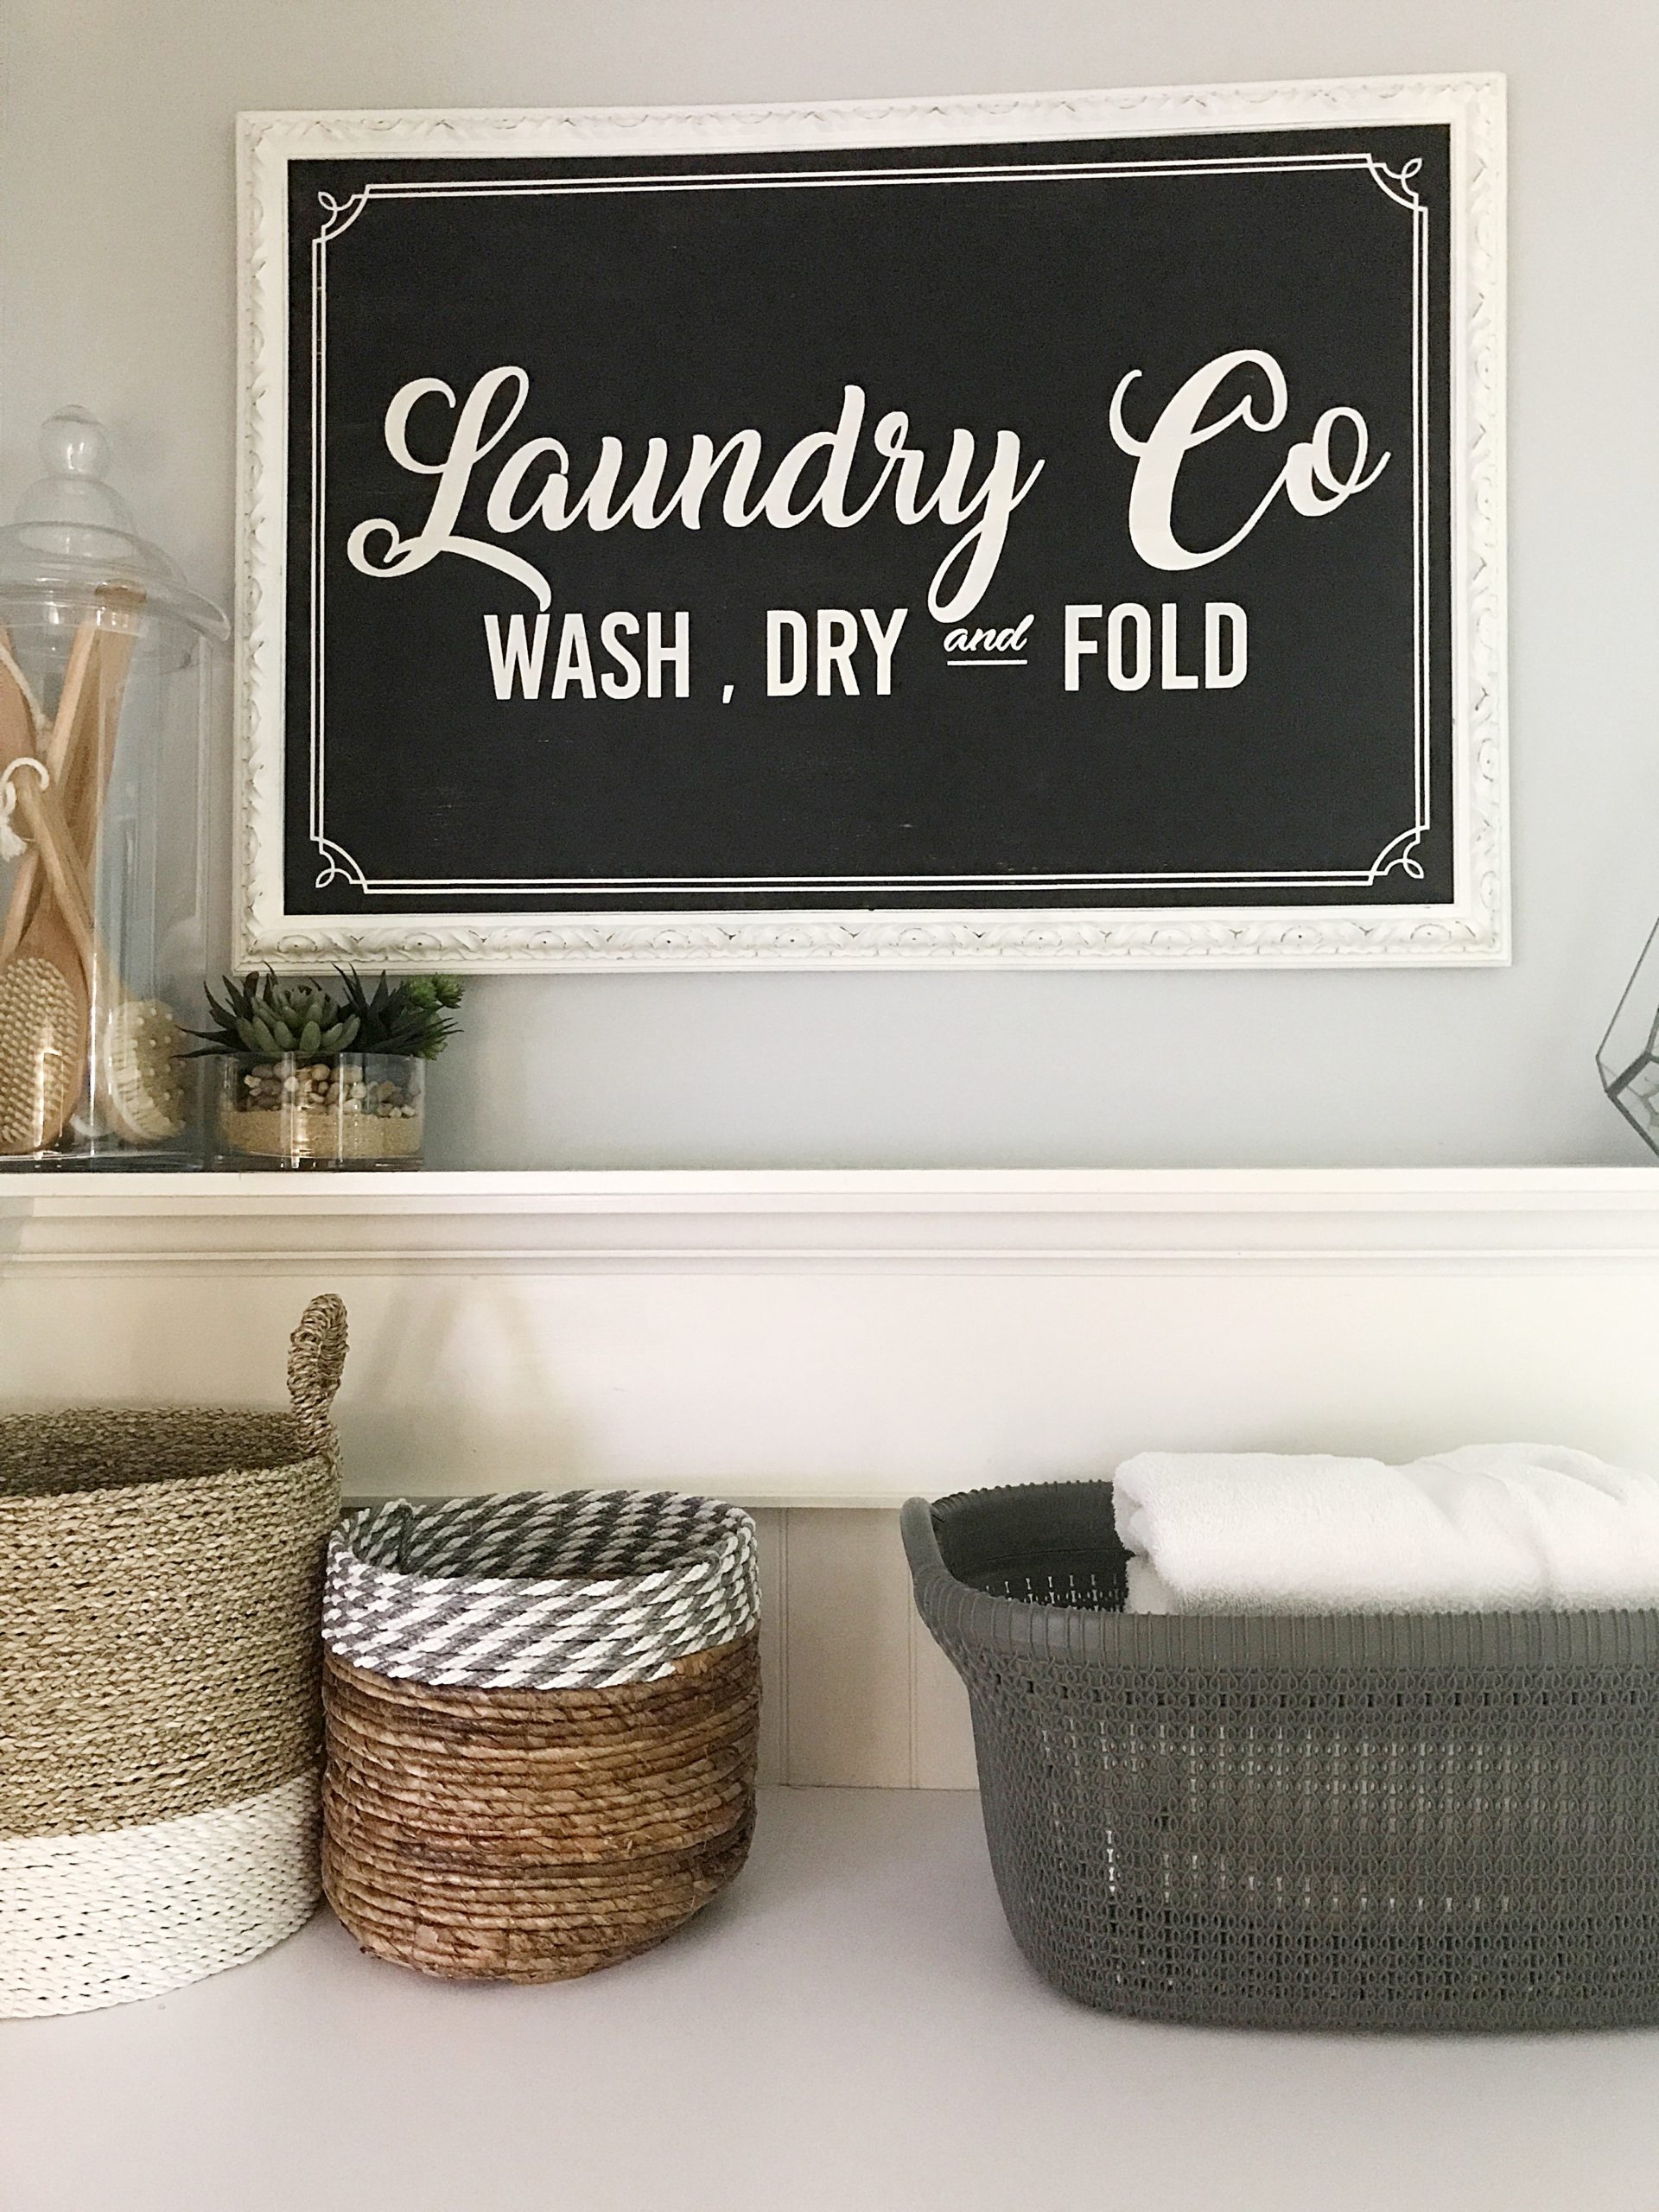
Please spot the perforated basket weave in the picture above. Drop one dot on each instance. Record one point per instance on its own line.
(160, 1583)
(543, 1714)
(1354, 1822)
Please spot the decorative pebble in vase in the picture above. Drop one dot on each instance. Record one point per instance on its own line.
(318, 1075)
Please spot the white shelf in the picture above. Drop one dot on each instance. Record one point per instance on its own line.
(849, 2030)
(797, 1337)
(996, 1218)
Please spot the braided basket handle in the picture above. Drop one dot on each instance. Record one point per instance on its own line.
(316, 1359)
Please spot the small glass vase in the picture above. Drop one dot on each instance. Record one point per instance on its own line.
(361, 1109)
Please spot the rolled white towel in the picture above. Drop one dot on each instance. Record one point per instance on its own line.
(1491, 1528)
(1148, 1592)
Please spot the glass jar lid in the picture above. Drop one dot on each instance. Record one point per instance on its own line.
(73, 532)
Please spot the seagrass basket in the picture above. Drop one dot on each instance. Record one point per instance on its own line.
(542, 1716)
(160, 1580)
(1358, 1820)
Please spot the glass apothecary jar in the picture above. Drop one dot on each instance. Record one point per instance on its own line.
(106, 660)
(360, 1110)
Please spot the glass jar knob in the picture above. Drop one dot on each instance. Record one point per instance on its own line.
(75, 454)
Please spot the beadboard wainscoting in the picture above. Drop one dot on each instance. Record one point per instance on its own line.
(799, 1341)
(856, 1692)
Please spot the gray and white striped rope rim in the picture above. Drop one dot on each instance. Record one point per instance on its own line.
(534, 1589)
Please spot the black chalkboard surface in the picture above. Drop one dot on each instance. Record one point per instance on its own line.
(966, 534)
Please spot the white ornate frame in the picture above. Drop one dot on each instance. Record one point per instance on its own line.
(1473, 929)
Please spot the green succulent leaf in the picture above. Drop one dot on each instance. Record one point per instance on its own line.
(270, 1016)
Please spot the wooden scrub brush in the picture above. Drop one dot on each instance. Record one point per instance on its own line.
(138, 1081)
(44, 1004)
(57, 983)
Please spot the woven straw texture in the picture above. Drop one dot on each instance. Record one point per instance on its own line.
(534, 1835)
(159, 1597)
(538, 1592)
(92, 1920)
(1430, 1821)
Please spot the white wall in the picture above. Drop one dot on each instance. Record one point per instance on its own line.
(116, 256)
(796, 1340)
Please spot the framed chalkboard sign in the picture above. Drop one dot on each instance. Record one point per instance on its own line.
(1061, 531)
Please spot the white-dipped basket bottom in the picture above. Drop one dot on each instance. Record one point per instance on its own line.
(87, 1921)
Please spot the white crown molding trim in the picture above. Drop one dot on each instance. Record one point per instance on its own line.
(850, 1338)
(879, 1222)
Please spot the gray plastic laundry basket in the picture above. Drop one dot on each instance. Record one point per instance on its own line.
(1365, 1821)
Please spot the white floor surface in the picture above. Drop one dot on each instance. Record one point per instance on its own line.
(851, 2026)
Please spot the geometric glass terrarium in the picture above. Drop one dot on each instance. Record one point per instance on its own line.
(1629, 1057)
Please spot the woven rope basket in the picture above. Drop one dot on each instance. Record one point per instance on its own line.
(160, 1589)
(543, 1715)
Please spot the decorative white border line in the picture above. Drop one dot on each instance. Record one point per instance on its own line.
(1473, 928)
(1397, 852)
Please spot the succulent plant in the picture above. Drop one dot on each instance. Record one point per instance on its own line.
(409, 1016)
(271, 1018)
